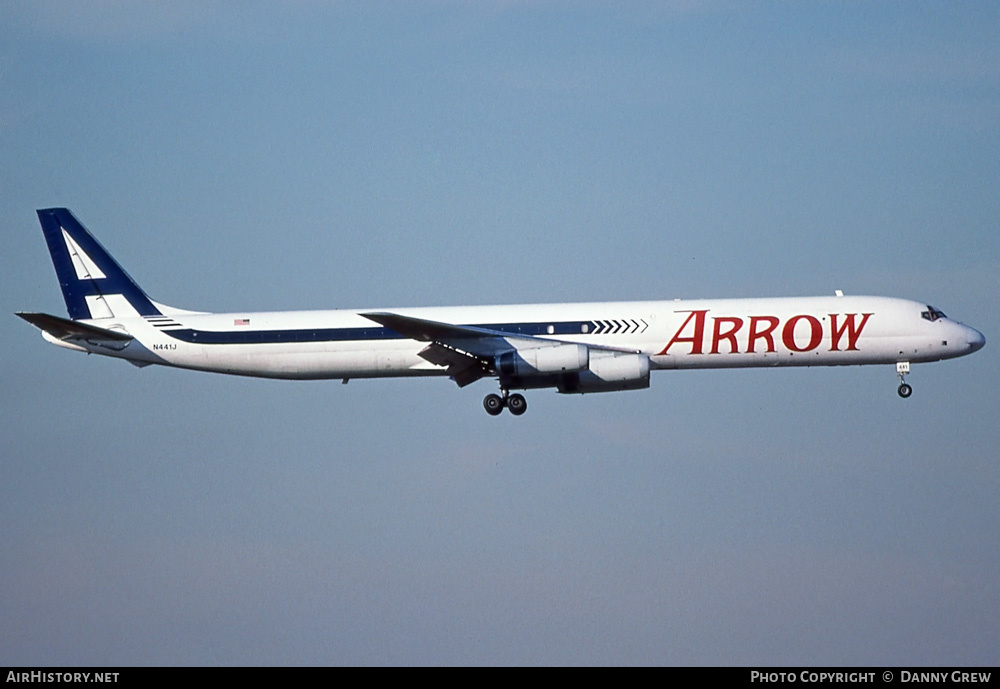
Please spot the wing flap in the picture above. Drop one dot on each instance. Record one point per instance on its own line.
(462, 368)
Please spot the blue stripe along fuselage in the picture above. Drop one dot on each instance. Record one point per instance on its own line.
(214, 337)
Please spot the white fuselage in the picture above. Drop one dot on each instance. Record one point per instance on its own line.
(709, 333)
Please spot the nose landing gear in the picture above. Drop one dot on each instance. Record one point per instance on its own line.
(494, 404)
(902, 368)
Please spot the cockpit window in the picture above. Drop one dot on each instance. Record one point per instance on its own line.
(932, 314)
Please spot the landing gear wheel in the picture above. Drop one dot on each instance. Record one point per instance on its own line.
(517, 404)
(902, 368)
(493, 404)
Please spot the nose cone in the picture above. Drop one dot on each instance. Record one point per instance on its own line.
(975, 339)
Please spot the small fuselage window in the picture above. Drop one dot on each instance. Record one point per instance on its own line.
(932, 314)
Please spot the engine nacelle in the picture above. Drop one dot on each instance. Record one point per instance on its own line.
(609, 372)
(565, 358)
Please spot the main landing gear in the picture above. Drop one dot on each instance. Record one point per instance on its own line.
(902, 368)
(494, 404)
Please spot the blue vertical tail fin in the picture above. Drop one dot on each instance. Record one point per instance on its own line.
(92, 282)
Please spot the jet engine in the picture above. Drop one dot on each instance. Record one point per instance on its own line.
(564, 358)
(608, 372)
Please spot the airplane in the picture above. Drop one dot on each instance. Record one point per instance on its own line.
(573, 348)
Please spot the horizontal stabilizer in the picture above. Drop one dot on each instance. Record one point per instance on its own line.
(64, 329)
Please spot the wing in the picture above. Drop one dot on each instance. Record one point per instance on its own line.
(466, 351)
(472, 339)
(469, 352)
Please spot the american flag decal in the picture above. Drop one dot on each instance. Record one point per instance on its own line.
(241, 321)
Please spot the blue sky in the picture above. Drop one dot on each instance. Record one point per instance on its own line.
(321, 155)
